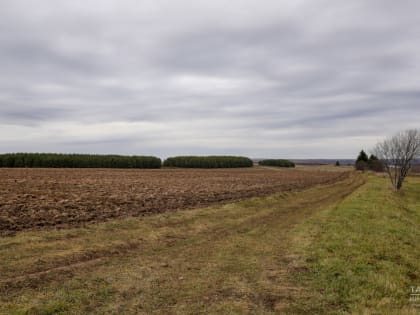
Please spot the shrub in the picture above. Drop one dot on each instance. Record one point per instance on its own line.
(415, 169)
(277, 162)
(53, 160)
(208, 161)
(376, 166)
(361, 165)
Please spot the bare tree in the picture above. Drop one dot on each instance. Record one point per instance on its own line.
(397, 153)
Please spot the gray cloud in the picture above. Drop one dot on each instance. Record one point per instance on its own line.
(287, 78)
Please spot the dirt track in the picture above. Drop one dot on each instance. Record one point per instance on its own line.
(207, 261)
(39, 198)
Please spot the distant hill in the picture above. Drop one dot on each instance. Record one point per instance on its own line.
(327, 161)
(324, 161)
(318, 161)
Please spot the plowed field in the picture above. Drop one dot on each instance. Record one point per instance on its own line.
(40, 198)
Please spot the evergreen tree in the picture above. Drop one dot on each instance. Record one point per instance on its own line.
(362, 157)
(208, 161)
(277, 162)
(77, 160)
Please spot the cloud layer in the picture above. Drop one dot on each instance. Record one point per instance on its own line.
(300, 79)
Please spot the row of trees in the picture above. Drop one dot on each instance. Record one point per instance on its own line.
(363, 163)
(77, 160)
(277, 162)
(208, 161)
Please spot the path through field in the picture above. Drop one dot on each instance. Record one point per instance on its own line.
(46, 198)
(228, 259)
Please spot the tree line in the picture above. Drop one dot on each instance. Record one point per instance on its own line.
(277, 162)
(55, 160)
(208, 161)
(372, 162)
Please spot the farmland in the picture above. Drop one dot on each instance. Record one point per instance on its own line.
(262, 240)
(40, 198)
(223, 259)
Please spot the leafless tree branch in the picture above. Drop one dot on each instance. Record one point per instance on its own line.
(397, 153)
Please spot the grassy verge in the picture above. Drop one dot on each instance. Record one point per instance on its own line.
(362, 256)
(231, 259)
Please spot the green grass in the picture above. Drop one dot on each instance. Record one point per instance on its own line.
(362, 256)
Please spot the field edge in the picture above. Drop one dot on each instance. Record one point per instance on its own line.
(362, 255)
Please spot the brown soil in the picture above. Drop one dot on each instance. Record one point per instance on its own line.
(39, 198)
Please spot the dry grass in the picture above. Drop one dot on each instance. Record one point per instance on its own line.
(327, 167)
(230, 259)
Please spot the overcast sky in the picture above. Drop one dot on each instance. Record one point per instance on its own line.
(294, 79)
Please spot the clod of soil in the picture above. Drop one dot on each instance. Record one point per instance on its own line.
(41, 198)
